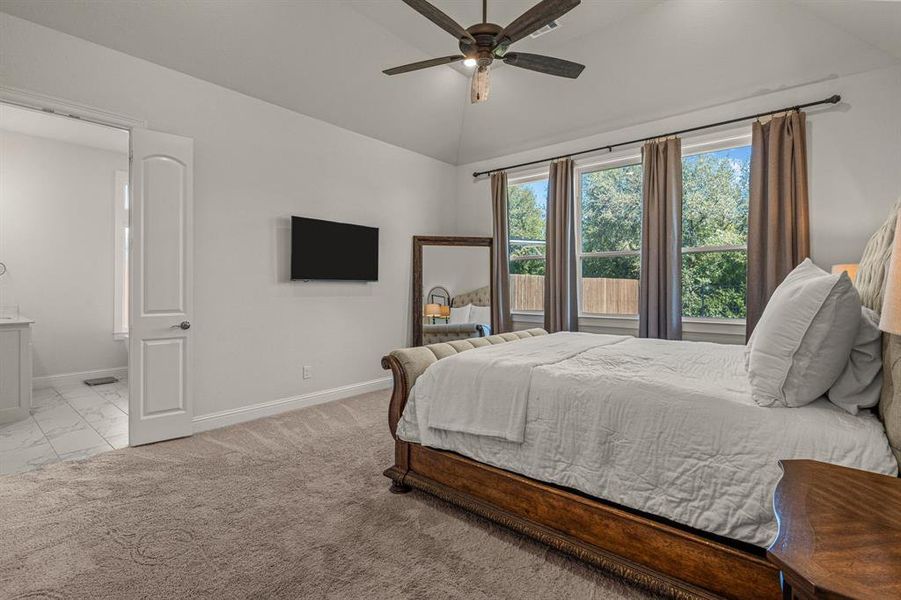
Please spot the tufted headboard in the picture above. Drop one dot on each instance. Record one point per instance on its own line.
(479, 297)
(870, 282)
(890, 403)
(415, 360)
(407, 364)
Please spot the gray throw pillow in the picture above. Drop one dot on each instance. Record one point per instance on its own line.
(860, 384)
(803, 339)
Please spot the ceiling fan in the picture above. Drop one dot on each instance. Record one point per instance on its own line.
(484, 42)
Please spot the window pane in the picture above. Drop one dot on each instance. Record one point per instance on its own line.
(611, 209)
(527, 285)
(715, 198)
(527, 217)
(610, 285)
(527, 267)
(713, 284)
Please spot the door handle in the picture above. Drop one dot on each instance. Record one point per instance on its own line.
(182, 325)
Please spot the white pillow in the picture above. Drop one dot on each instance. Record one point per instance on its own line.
(480, 314)
(860, 384)
(459, 315)
(803, 339)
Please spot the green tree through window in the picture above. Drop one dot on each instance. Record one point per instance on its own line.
(611, 221)
(527, 221)
(714, 236)
(715, 233)
(610, 207)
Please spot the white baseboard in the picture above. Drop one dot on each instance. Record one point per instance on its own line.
(47, 381)
(274, 407)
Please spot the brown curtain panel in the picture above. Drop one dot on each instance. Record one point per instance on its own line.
(501, 322)
(660, 288)
(561, 309)
(778, 218)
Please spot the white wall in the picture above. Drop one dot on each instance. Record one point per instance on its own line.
(256, 165)
(854, 159)
(56, 238)
(854, 164)
(459, 269)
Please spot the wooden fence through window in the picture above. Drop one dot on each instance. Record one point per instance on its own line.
(600, 295)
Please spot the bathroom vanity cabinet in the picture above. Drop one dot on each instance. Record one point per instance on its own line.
(15, 368)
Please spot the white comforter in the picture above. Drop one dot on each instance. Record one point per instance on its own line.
(664, 427)
(486, 393)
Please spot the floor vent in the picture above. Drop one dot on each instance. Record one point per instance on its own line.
(100, 381)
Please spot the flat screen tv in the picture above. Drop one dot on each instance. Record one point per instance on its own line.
(330, 250)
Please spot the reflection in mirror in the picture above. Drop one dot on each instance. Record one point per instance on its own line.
(453, 288)
(437, 304)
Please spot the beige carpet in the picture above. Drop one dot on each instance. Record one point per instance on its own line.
(292, 506)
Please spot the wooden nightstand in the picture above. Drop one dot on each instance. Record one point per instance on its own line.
(839, 532)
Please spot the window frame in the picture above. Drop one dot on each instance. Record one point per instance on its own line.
(121, 240)
(614, 160)
(517, 179)
(709, 328)
(735, 138)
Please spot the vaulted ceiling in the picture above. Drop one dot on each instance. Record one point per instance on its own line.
(646, 59)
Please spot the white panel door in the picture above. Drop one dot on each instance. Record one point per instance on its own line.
(161, 299)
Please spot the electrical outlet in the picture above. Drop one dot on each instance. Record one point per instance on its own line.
(307, 371)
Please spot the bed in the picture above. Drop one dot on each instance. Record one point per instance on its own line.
(670, 523)
(650, 416)
(478, 327)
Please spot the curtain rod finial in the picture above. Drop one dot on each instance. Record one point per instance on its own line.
(835, 99)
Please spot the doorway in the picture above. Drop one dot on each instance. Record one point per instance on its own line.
(151, 275)
(64, 242)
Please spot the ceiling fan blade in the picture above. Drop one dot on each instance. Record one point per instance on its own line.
(440, 19)
(424, 64)
(534, 19)
(544, 64)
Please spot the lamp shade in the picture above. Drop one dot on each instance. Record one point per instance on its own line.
(890, 322)
(432, 310)
(445, 311)
(849, 268)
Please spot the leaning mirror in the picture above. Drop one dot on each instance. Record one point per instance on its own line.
(451, 288)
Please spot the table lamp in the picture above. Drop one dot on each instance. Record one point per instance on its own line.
(849, 268)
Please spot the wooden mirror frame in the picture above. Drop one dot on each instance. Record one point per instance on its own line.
(419, 241)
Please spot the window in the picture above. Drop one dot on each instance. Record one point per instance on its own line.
(120, 325)
(715, 183)
(715, 230)
(609, 244)
(526, 222)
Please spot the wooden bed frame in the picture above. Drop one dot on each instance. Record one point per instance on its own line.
(660, 555)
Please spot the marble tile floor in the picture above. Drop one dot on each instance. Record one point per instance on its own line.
(68, 422)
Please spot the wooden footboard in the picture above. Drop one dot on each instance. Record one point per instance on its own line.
(660, 555)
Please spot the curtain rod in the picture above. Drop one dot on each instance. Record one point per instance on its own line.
(835, 99)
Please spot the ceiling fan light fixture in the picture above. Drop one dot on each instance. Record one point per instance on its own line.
(480, 85)
(483, 43)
